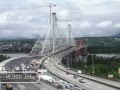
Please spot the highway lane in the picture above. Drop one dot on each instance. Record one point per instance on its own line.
(89, 85)
(50, 66)
(35, 86)
(28, 86)
(101, 80)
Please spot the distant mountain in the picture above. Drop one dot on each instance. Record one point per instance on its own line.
(116, 35)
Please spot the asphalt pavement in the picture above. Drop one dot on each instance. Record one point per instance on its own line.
(28, 86)
(88, 85)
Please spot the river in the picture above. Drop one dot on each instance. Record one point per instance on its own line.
(108, 55)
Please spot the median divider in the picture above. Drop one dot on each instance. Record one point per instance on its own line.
(113, 86)
(61, 77)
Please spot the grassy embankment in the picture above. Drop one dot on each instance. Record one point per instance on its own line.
(103, 66)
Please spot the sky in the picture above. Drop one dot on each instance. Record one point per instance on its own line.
(26, 18)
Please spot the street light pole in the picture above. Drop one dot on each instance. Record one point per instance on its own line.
(93, 66)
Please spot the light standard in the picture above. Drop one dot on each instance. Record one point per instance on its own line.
(93, 66)
(0, 85)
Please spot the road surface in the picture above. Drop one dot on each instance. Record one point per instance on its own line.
(36, 86)
(88, 85)
(97, 79)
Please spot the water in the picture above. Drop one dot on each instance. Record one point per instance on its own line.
(108, 55)
(14, 55)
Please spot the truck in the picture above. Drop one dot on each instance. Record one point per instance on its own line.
(79, 71)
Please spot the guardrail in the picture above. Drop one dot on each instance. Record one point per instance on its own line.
(110, 85)
(42, 62)
(89, 78)
(64, 78)
(95, 80)
(54, 54)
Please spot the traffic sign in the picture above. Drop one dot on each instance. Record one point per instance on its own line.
(119, 70)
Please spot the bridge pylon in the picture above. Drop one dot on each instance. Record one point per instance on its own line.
(56, 39)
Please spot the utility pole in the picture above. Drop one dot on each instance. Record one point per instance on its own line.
(0, 84)
(93, 68)
(68, 60)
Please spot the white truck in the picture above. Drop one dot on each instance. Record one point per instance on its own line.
(46, 61)
(79, 71)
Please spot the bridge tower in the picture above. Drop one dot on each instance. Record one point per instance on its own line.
(56, 39)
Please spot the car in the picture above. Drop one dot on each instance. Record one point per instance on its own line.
(56, 84)
(71, 85)
(59, 63)
(61, 86)
(3, 68)
(11, 68)
(28, 67)
(17, 69)
(82, 80)
(68, 68)
(75, 76)
(67, 73)
(79, 72)
(46, 61)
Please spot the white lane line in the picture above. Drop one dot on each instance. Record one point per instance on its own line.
(22, 87)
(41, 87)
(15, 89)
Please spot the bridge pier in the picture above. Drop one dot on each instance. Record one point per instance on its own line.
(79, 53)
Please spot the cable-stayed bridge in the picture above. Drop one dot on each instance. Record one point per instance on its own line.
(56, 39)
(57, 45)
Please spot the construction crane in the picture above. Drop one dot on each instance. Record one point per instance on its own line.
(49, 6)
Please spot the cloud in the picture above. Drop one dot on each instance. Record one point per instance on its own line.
(21, 34)
(117, 25)
(104, 24)
(63, 14)
(3, 18)
(13, 18)
(89, 17)
(85, 25)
